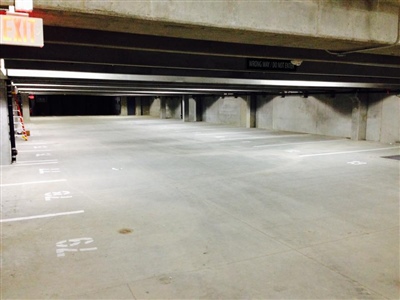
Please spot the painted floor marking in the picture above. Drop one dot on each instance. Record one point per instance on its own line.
(263, 137)
(32, 182)
(357, 163)
(42, 216)
(36, 150)
(31, 163)
(67, 246)
(42, 154)
(53, 170)
(37, 143)
(36, 163)
(57, 195)
(345, 152)
(299, 143)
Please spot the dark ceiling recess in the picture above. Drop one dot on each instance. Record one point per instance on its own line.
(74, 105)
(93, 62)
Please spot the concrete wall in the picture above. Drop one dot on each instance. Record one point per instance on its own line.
(383, 119)
(5, 144)
(318, 115)
(227, 110)
(315, 114)
(325, 115)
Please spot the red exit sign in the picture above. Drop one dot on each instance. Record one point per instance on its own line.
(21, 31)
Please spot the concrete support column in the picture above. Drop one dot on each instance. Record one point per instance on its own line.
(185, 109)
(26, 112)
(359, 117)
(138, 108)
(5, 143)
(163, 108)
(250, 112)
(124, 106)
(199, 109)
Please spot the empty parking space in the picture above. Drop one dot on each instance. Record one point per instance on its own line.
(136, 207)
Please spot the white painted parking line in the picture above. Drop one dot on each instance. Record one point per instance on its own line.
(31, 163)
(263, 137)
(36, 150)
(37, 143)
(53, 170)
(37, 163)
(42, 154)
(345, 152)
(32, 182)
(42, 216)
(300, 143)
(34, 161)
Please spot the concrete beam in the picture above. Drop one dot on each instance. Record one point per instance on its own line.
(315, 24)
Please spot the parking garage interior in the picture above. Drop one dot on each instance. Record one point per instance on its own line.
(170, 153)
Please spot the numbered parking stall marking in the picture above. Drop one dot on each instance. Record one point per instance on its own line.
(292, 151)
(52, 170)
(356, 163)
(57, 195)
(43, 154)
(74, 245)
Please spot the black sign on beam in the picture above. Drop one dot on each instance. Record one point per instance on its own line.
(271, 65)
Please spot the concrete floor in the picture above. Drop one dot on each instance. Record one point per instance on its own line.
(125, 207)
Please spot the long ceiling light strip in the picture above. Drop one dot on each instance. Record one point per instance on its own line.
(189, 80)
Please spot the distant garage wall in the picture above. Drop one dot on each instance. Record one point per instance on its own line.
(325, 115)
(173, 106)
(315, 114)
(227, 110)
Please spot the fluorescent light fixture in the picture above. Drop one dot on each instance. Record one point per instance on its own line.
(195, 80)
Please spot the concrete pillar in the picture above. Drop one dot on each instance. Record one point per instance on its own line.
(185, 109)
(163, 108)
(359, 117)
(5, 143)
(199, 109)
(26, 112)
(124, 106)
(189, 105)
(250, 111)
(138, 109)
